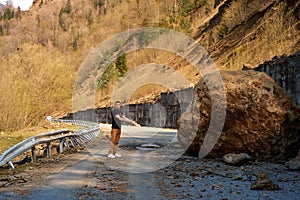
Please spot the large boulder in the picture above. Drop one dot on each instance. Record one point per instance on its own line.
(260, 120)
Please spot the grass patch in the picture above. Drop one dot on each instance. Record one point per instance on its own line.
(9, 139)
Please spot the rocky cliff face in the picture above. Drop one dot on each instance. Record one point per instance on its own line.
(251, 32)
(260, 119)
(285, 70)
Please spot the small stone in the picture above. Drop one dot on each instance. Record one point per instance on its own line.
(293, 164)
(236, 159)
(265, 195)
(195, 173)
(238, 177)
(177, 168)
(21, 180)
(265, 181)
(256, 162)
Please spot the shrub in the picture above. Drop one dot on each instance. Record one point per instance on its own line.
(33, 83)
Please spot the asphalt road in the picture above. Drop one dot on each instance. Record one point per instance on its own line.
(66, 183)
(156, 173)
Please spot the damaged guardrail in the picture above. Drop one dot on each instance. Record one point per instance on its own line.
(64, 136)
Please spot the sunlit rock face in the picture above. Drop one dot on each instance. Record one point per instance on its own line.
(260, 120)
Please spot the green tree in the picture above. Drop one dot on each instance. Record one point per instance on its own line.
(121, 64)
(61, 19)
(75, 43)
(105, 77)
(7, 14)
(1, 31)
(12, 13)
(89, 18)
(68, 7)
(41, 3)
(18, 14)
(98, 3)
(38, 20)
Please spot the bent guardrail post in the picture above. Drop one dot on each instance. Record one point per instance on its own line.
(73, 143)
(48, 150)
(11, 165)
(60, 146)
(33, 156)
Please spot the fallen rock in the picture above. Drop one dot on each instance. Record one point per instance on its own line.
(294, 164)
(265, 181)
(236, 159)
(237, 177)
(260, 120)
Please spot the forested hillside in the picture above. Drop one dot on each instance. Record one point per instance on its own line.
(41, 49)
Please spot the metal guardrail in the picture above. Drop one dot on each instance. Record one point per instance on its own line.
(75, 138)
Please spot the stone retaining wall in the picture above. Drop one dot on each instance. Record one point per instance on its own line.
(163, 113)
(285, 70)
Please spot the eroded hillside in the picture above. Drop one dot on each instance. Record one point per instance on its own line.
(42, 49)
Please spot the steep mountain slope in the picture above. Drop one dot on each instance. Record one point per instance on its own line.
(54, 37)
(251, 32)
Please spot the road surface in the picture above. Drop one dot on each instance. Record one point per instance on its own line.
(147, 174)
